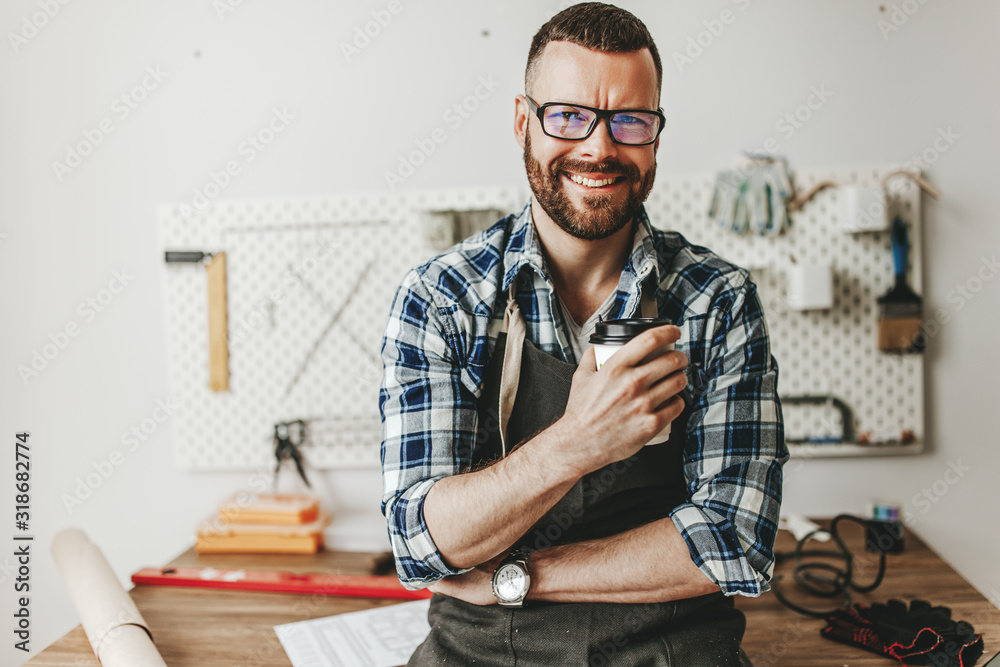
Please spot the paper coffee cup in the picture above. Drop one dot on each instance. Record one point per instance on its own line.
(610, 336)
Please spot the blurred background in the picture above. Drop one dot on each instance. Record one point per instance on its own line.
(161, 96)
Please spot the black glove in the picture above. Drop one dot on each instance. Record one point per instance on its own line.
(920, 635)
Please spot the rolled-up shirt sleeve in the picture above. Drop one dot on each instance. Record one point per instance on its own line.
(428, 412)
(735, 449)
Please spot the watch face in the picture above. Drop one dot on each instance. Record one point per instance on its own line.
(510, 583)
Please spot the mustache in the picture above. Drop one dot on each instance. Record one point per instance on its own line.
(610, 167)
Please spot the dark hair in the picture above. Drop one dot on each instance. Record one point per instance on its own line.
(595, 26)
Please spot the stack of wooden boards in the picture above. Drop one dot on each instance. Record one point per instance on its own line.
(264, 523)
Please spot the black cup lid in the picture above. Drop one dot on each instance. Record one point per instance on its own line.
(619, 332)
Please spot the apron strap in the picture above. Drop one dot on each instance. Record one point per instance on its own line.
(513, 326)
(647, 304)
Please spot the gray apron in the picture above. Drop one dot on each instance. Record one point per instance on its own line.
(525, 391)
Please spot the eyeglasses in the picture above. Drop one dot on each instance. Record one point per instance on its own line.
(575, 122)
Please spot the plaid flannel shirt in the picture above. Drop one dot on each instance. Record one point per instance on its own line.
(438, 340)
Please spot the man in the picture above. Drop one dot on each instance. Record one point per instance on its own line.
(518, 485)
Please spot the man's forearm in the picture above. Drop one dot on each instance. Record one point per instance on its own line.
(474, 516)
(650, 563)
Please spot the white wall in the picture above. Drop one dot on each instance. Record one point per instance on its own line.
(61, 241)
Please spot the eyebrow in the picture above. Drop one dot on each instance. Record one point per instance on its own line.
(582, 104)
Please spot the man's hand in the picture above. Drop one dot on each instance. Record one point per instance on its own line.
(612, 413)
(474, 587)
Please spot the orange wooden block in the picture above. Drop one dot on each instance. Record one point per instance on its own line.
(270, 508)
(216, 535)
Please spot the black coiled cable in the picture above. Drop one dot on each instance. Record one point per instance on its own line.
(840, 584)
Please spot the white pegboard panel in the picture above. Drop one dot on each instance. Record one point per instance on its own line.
(829, 351)
(293, 264)
(310, 282)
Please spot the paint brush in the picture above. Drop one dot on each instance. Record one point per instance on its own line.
(900, 309)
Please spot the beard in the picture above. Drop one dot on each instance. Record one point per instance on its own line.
(602, 216)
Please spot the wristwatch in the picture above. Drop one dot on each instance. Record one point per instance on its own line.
(511, 579)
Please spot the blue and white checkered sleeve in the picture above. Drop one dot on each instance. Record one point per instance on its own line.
(735, 452)
(428, 426)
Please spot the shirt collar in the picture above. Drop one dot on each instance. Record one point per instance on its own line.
(523, 250)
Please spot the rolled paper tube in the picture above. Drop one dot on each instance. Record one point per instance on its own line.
(116, 630)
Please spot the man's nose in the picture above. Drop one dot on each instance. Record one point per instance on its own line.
(599, 145)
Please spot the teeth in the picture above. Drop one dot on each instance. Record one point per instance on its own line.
(590, 183)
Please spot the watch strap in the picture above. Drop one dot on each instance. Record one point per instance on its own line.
(518, 555)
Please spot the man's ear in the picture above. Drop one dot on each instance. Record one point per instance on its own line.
(521, 118)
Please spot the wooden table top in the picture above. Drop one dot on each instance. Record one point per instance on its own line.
(778, 637)
(210, 627)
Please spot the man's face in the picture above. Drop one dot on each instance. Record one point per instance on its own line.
(556, 167)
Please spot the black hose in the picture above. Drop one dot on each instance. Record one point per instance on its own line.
(838, 585)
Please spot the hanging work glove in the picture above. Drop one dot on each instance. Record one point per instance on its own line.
(766, 198)
(777, 191)
(753, 197)
(726, 195)
(920, 635)
(754, 207)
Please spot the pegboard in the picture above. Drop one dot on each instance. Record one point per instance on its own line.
(310, 283)
(311, 280)
(825, 351)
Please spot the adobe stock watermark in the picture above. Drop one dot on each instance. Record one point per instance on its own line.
(563, 4)
(560, 520)
(370, 375)
(363, 35)
(899, 15)
(698, 43)
(792, 634)
(791, 122)
(121, 108)
(985, 616)
(454, 116)
(293, 278)
(794, 120)
(33, 23)
(807, 451)
(636, 621)
(248, 150)
(131, 439)
(941, 144)
(59, 340)
(259, 481)
(931, 494)
(959, 296)
(224, 7)
(963, 293)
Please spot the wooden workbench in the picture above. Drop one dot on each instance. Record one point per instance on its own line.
(210, 628)
(778, 637)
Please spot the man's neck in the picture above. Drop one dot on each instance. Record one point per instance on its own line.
(584, 272)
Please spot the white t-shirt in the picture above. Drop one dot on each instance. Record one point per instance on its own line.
(579, 334)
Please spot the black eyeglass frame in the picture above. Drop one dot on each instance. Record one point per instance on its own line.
(606, 114)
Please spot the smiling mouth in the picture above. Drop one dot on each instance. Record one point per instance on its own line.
(592, 183)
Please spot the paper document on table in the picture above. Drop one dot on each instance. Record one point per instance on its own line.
(381, 637)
